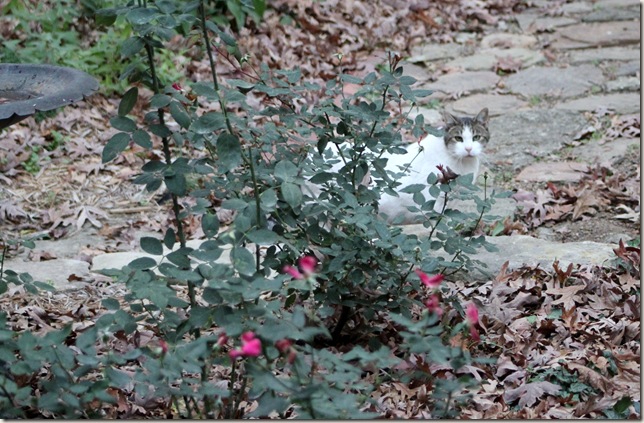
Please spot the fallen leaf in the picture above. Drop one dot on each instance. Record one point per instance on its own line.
(529, 393)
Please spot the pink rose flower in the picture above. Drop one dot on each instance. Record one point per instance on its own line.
(251, 346)
(306, 263)
(431, 282)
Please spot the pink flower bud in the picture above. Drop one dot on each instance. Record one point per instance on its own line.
(293, 272)
(430, 282)
(283, 345)
(307, 264)
(164, 346)
(472, 314)
(433, 305)
(177, 87)
(222, 340)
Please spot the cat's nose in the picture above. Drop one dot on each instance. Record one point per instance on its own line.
(468, 149)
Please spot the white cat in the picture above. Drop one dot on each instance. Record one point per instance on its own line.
(459, 150)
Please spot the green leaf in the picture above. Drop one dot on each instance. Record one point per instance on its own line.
(131, 46)
(169, 239)
(179, 114)
(413, 188)
(268, 200)
(123, 123)
(243, 86)
(110, 304)
(159, 101)
(140, 15)
(117, 378)
(210, 224)
(229, 152)
(160, 130)
(180, 257)
(422, 93)
(128, 101)
(208, 122)
(263, 237)
(176, 184)
(285, 170)
(151, 246)
(234, 204)
(292, 194)
(243, 261)
(143, 263)
(142, 138)
(114, 146)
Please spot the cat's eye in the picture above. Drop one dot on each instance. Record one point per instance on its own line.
(477, 138)
(459, 139)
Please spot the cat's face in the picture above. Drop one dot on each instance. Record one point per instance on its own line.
(464, 137)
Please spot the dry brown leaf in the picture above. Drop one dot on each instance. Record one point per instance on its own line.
(530, 393)
(591, 377)
(568, 295)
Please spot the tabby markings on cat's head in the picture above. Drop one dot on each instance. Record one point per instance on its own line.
(464, 137)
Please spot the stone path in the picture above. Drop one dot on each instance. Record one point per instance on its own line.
(566, 65)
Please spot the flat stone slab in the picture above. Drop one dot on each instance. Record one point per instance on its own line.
(496, 103)
(55, 272)
(576, 7)
(507, 40)
(533, 23)
(118, 260)
(432, 116)
(622, 103)
(627, 69)
(594, 152)
(606, 14)
(556, 82)
(625, 83)
(522, 250)
(525, 250)
(464, 82)
(616, 33)
(431, 52)
(551, 172)
(615, 3)
(485, 59)
(603, 54)
(421, 73)
(518, 137)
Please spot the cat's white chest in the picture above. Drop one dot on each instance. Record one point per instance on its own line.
(420, 160)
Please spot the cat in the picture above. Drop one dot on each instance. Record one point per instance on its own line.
(459, 150)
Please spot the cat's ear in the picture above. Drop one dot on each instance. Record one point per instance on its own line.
(482, 117)
(450, 119)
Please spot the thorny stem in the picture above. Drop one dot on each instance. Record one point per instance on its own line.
(440, 218)
(257, 204)
(166, 145)
(5, 248)
(213, 68)
(458, 253)
(222, 105)
(233, 375)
